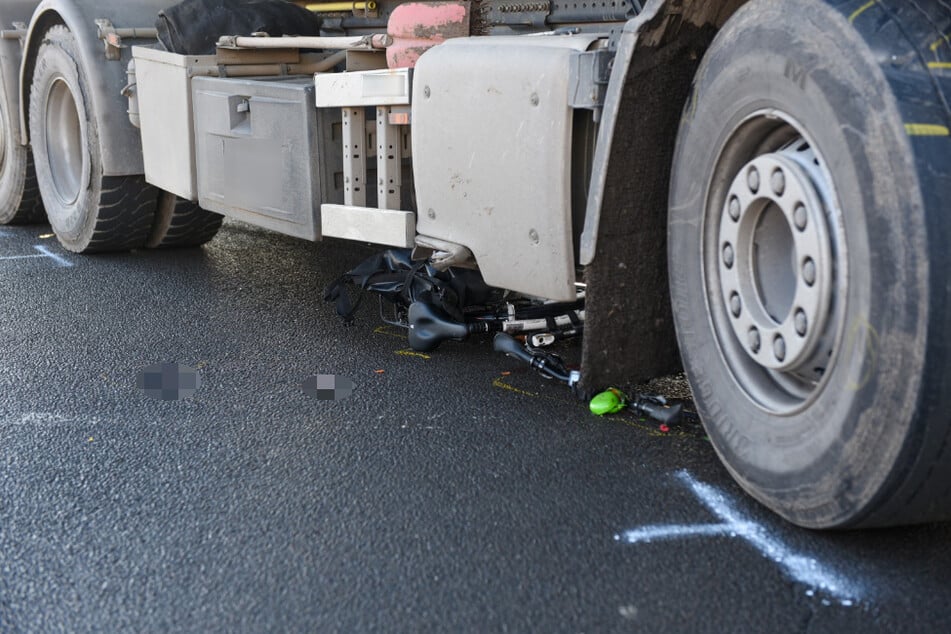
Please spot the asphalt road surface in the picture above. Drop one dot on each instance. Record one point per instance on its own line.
(453, 492)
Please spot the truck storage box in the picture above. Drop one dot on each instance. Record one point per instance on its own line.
(265, 153)
(163, 83)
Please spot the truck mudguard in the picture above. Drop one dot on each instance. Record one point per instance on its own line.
(624, 242)
(120, 141)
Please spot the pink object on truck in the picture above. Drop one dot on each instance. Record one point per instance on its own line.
(416, 27)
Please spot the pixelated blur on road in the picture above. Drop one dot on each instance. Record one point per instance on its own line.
(452, 491)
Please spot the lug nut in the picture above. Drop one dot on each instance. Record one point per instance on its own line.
(800, 217)
(736, 306)
(735, 208)
(779, 348)
(728, 255)
(778, 182)
(752, 179)
(754, 340)
(809, 272)
(802, 322)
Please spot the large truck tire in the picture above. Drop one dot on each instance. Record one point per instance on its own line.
(182, 223)
(20, 201)
(89, 212)
(808, 256)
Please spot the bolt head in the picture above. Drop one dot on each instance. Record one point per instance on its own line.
(800, 217)
(533, 236)
(728, 255)
(753, 340)
(534, 99)
(779, 348)
(431, 213)
(752, 179)
(778, 182)
(809, 272)
(426, 92)
(736, 306)
(802, 322)
(734, 208)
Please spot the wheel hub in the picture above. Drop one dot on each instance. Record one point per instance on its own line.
(775, 263)
(64, 142)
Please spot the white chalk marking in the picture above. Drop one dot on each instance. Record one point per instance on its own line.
(43, 253)
(649, 534)
(20, 257)
(42, 419)
(805, 570)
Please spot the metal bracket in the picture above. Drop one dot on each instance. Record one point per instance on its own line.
(112, 37)
(589, 75)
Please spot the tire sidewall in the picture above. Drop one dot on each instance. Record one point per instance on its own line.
(73, 222)
(13, 164)
(850, 436)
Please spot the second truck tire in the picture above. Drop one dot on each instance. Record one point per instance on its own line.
(181, 223)
(19, 195)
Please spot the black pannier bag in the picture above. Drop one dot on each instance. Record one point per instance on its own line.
(193, 27)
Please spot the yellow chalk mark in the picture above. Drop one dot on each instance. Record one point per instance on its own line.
(926, 129)
(940, 65)
(651, 430)
(46, 236)
(938, 42)
(863, 335)
(499, 383)
(90, 439)
(409, 352)
(862, 9)
(388, 331)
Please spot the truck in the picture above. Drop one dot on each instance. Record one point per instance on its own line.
(753, 190)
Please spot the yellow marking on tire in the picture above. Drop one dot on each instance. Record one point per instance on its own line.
(940, 65)
(926, 129)
(937, 43)
(862, 9)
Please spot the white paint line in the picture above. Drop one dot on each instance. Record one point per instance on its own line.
(803, 569)
(45, 251)
(648, 534)
(806, 570)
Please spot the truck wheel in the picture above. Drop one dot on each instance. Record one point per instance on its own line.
(89, 212)
(19, 195)
(808, 267)
(181, 223)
